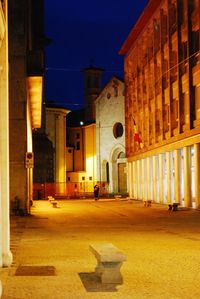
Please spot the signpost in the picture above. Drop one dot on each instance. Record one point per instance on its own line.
(29, 160)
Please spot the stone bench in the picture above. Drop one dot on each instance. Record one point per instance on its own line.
(109, 261)
(173, 206)
(54, 203)
(50, 198)
(147, 203)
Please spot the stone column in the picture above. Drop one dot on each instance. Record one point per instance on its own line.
(197, 173)
(148, 180)
(187, 177)
(176, 176)
(5, 254)
(143, 180)
(138, 180)
(135, 186)
(4, 173)
(154, 178)
(161, 177)
(1, 220)
(168, 166)
(130, 179)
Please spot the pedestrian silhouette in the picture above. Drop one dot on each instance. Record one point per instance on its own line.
(96, 192)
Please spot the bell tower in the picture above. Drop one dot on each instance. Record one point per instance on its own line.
(92, 89)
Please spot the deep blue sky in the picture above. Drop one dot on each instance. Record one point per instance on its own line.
(84, 32)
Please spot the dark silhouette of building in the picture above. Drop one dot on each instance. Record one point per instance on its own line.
(26, 72)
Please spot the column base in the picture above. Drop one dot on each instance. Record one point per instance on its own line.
(7, 259)
(0, 289)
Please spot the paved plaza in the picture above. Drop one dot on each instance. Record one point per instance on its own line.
(52, 257)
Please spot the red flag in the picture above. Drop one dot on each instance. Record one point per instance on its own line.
(136, 137)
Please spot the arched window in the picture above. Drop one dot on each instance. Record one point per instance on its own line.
(118, 130)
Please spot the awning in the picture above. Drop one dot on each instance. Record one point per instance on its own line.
(35, 88)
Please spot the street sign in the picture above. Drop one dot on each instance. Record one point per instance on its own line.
(29, 161)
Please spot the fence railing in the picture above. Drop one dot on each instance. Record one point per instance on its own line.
(67, 190)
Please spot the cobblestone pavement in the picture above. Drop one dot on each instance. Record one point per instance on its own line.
(52, 257)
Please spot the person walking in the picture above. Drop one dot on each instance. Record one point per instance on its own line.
(96, 192)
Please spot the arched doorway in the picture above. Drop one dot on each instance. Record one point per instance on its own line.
(119, 170)
(122, 176)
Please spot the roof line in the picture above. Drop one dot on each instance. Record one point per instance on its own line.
(139, 26)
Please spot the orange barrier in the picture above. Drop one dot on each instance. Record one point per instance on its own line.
(67, 190)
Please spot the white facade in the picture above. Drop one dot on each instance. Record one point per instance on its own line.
(5, 254)
(110, 137)
(172, 174)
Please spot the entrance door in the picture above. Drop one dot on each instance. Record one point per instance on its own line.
(122, 184)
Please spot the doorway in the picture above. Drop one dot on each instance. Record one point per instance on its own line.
(122, 178)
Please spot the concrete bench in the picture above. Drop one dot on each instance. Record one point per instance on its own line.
(118, 196)
(54, 203)
(173, 206)
(109, 261)
(147, 203)
(50, 198)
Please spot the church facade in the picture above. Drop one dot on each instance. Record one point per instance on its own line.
(110, 137)
(162, 103)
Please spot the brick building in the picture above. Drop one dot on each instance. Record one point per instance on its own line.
(162, 77)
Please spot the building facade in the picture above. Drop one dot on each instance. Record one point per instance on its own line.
(56, 132)
(26, 71)
(81, 137)
(110, 137)
(81, 159)
(5, 253)
(162, 103)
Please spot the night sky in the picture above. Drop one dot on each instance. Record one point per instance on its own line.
(84, 33)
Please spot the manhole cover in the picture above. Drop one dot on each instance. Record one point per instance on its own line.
(35, 271)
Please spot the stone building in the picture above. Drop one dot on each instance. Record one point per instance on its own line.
(5, 253)
(162, 103)
(92, 88)
(110, 137)
(26, 71)
(56, 132)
